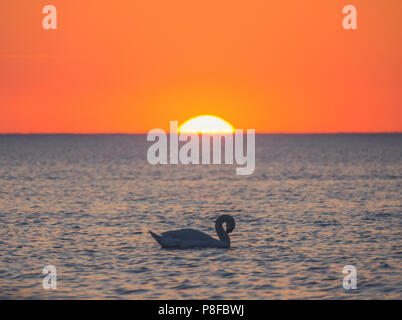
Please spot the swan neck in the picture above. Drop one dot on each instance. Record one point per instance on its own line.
(223, 236)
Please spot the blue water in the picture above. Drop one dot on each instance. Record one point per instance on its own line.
(314, 204)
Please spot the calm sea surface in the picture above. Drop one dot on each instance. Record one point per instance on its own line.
(314, 204)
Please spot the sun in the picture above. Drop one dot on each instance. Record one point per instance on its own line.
(206, 124)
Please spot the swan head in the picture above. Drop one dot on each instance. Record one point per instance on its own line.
(230, 225)
(228, 220)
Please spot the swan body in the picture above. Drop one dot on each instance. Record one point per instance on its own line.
(190, 238)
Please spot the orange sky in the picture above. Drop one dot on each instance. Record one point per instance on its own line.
(130, 66)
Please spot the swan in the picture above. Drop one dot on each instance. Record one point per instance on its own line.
(190, 238)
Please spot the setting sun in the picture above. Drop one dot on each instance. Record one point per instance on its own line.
(206, 124)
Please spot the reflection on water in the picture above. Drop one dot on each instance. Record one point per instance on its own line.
(313, 205)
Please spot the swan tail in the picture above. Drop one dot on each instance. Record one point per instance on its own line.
(156, 237)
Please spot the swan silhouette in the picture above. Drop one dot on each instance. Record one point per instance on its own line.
(190, 238)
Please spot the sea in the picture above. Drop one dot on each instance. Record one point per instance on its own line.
(314, 204)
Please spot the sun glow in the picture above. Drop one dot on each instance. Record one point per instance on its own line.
(206, 124)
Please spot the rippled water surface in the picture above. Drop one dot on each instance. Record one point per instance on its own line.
(314, 204)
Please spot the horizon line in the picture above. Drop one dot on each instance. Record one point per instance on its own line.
(145, 133)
